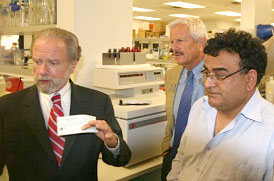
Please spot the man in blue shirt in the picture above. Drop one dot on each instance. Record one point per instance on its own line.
(230, 132)
(188, 38)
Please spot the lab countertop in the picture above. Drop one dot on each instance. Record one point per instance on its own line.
(2, 93)
(111, 173)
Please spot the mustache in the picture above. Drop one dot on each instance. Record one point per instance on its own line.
(44, 77)
(178, 53)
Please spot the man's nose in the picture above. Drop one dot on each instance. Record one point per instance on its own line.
(44, 68)
(209, 82)
(174, 47)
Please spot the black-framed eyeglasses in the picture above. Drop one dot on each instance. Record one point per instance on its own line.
(218, 77)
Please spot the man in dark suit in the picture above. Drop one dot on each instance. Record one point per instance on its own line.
(25, 144)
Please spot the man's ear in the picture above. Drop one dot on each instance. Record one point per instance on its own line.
(202, 43)
(251, 79)
(73, 66)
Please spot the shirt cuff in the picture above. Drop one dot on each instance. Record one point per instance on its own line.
(116, 150)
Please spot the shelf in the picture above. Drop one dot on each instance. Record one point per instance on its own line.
(151, 40)
(14, 70)
(28, 30)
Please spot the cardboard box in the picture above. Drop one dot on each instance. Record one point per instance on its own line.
(150, 34)
(159, 27)
(141, 33)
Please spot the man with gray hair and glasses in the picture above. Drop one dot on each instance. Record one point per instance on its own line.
(183, 85)
(230, 132)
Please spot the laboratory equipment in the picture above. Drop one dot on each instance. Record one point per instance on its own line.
(138, 103)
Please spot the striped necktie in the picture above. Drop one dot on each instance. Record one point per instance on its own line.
(57, 142)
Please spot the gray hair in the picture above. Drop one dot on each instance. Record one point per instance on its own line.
(71, 41)
(196, 27)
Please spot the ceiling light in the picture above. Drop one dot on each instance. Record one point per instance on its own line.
(228, 13)
(272, 24)
(272, 9)
(238, 1)
(146, 18)
(238, 19)
(183, 5)
(141, 9)
(183, 15)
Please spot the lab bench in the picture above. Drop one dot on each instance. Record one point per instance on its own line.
(111, 173)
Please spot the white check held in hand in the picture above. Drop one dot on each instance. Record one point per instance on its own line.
(67, 125)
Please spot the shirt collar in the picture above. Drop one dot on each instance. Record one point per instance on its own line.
(252, 110)
(197, 70)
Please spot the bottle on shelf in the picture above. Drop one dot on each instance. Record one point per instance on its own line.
(42, 12)
(16, 54)
(269, 90)
(14, 13)
(5, 15)
(23, 20)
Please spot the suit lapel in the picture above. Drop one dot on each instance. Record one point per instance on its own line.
(77, 106)
(177, 73)
(35, 120)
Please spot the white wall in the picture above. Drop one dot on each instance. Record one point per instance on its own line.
(219, 26)
(254, 12)
(99, 25)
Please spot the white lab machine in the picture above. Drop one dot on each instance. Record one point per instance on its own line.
(138, 104)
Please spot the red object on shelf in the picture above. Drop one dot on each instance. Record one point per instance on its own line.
(14, 84)
(150, 26)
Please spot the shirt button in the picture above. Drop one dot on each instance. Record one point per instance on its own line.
(208, 148)
(198, 169)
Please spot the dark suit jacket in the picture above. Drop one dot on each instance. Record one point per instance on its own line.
(25, 147)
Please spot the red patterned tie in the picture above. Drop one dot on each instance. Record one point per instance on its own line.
(57, 142)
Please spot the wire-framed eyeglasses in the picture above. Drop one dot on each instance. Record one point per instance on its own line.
(218, 77)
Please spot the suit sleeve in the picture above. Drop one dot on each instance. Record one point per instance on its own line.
(169, 114)
(125, 153)
(2, 155)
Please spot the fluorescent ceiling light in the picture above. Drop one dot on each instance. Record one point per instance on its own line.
(183, 5)
(146, 18)
(238, 1)
(238, 19)
(183, 15)
(141, 9)
(228, 13)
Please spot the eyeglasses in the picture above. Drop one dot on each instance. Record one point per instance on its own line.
(218, 77)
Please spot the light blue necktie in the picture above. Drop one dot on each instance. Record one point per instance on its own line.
(183, 111)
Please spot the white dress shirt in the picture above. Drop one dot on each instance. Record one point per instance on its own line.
(65, 92)
(46, 103)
